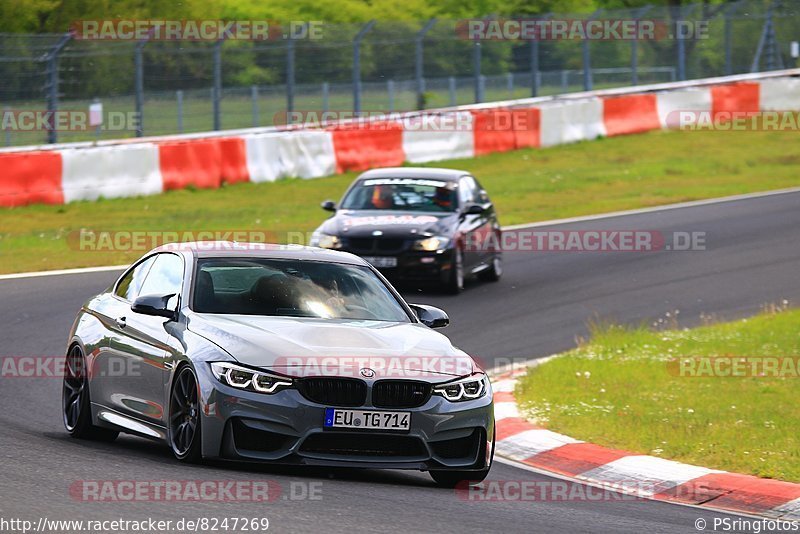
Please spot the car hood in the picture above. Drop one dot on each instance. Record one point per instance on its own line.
(322, 347)
(406, 224)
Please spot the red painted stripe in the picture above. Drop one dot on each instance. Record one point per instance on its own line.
(361, 147)
(30, 177)
(630, 114)
(575, 458)
(503, 396)
(735, 97)
(512, 426)
(729, 491)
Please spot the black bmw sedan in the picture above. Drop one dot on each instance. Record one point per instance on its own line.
(417, 225)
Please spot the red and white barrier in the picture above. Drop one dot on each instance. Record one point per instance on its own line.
(110, 172)
(130, 168)
(780, 94)
(446, 136)
(670, 105)
(571, 121)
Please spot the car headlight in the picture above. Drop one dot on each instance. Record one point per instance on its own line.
(248, 379)
(469, 388)
(326, 241)
(431, 244)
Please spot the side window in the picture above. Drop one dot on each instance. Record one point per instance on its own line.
(467, 191)
(128, 288)
(480, 194)
(166, 276)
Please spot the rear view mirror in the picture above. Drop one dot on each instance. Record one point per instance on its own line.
(430, 316)
(155, 305)
(328, 205)
(474, 209)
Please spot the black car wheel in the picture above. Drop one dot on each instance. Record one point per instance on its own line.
(495, 270)
(455, 281)
(75, 402)
(184, 417)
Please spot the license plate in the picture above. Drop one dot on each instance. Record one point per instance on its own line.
(367, 419)
(382, 261)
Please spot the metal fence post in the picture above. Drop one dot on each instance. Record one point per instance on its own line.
(510, 84)
(357, 64)
(139, 85)
(6, 111)
(681, 44)
(451, 87)
(476, 70)
(179, 98)
(390, 91)
(290, 74)
(419, 70)
(587, 63)
(729, 12)
(51, 86)
(254, 102)
(635, 45)
(217, 90)
(534, 60)
(325, 95)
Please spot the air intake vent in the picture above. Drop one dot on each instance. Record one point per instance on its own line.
(334, 391)
(400, 393)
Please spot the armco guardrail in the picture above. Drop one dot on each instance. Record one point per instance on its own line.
(66, 173)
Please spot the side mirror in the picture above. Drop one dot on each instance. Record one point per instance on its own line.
(328, 205)
(430, 316)
(474, 209)
(155, 305)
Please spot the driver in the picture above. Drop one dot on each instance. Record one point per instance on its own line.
(443, 198)
(382, 197)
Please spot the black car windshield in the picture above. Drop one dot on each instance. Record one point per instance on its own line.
(293, 288)
(403, 194)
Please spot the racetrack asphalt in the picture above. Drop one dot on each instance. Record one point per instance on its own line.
(545, 300)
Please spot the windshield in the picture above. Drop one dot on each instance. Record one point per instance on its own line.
(405, 194)
(293, 288)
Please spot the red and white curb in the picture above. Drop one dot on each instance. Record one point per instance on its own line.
(641, 475)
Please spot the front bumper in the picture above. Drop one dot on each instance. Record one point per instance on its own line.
(287, 428)
(417, 266)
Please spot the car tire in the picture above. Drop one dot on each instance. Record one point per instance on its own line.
(76, 405)
(455, 280)
(451, 479)
(495, 270)
(185, 436)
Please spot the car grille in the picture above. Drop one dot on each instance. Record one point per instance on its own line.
(369, 245)
(400, 394)
(334, 391)
(359, 444)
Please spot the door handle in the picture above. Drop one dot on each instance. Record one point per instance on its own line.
(121, 322)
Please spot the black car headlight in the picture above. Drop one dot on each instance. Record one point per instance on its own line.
(431, 244)
(248, 379)
(469, 388)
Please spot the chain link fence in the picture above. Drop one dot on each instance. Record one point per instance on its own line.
(167, 87)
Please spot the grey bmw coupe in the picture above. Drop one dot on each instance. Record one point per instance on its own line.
(276, 353)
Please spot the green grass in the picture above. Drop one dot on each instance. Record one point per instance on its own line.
(618, 390)
(526, 185)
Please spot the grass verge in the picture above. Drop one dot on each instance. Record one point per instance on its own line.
(526, 185)
(620, 390)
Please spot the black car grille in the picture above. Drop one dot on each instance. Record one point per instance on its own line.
(359, 444)
(371, 245)
(400, 394)
(466, 447)
(334, 391)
